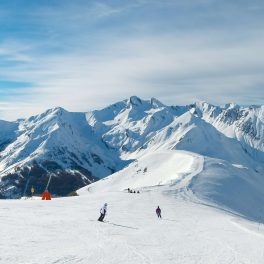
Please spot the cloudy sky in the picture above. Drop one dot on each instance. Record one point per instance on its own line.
(83, 54)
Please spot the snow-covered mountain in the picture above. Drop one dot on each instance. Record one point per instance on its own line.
(56, 142)
(78, 148)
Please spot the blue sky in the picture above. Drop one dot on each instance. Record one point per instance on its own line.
(84, 55)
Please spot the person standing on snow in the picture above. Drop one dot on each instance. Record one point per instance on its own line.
(103, 212)
(158, 212)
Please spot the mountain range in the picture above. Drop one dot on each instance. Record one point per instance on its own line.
(76, 149)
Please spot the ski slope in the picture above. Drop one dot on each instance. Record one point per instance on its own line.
(66, 231)
(193, 230)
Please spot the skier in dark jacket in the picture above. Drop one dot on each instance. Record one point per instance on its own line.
(158, 212)
(103, 212)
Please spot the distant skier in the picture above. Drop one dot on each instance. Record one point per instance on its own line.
(103, 212)
(158, 212)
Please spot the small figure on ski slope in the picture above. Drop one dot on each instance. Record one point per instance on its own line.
(158, 212)
(103, 212)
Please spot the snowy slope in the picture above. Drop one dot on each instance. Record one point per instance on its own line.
(232, 187)
(157, 169)
(189, 232)
(65, 230)
(7, 133)
(215, 182)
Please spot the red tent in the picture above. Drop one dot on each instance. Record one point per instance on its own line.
(46, 196)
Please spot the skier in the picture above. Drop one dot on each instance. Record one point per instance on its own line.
(103, 212)
(158, 212)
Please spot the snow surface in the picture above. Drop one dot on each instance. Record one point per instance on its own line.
(192, 231)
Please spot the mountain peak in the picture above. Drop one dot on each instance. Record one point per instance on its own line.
(57, 110)
(231, 106)
(156, 103)
(54, 112)
(134, 100)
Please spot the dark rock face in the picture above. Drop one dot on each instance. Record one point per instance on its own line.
(15, 185)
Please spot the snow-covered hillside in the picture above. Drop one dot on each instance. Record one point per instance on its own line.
(156, 169)
(78, 148)
(190, 231)
(215, 182)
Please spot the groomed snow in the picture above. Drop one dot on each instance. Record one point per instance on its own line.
(66, 231)
(191, 231)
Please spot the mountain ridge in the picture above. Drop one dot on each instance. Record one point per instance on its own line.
(78, 148)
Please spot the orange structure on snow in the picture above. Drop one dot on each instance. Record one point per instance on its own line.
(46, 196)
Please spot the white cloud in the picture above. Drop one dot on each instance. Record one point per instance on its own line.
(181, 69)
(90, 69)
